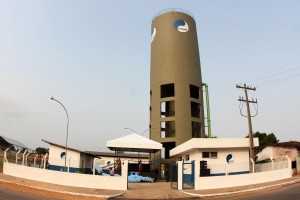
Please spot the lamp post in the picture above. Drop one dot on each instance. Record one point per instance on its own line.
(66, 147)
(142, 132)
(130, 129)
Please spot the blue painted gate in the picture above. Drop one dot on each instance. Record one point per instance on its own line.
(188, 175)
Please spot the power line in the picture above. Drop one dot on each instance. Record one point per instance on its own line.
(275, 81)
(273, 75)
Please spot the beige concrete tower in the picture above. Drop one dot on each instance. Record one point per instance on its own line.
(176, 102)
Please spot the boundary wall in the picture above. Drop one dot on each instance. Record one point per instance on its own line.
(69, 179)
(214, 182)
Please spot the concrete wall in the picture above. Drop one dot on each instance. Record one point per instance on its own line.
(213, 182)
(277, 153)
(69, 179)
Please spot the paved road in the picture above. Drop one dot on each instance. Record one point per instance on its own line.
(9, 194)
(290, 192)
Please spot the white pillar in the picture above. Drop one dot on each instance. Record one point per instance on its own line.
(45, 161)
(23, 160)
(272, 163)
(35, 159)
(17, 155)
(5, 155)
(26, 157)
(289, 164)
(179, 181)
(197, 175)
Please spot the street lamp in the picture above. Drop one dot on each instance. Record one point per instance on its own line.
(130, 129)
(142, 132)
(66, 147)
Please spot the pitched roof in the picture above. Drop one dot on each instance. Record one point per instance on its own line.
(289, 144)
(134, 143)
(13, 142)
(71, 148)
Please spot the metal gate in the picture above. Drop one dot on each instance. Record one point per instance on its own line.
(188, 175)
(174, 176)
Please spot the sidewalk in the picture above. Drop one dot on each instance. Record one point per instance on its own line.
(61, 189)
(157, 190)
(243, 189)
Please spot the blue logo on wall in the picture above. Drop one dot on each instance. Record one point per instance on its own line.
(181, 25)
(153, 33)
(63, 155)
(229, 158)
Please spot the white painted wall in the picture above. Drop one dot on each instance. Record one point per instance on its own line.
(69, 179)
(214, 182)
(219, 164)
(55, 159)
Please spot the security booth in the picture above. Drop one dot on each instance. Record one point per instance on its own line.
(217, 157)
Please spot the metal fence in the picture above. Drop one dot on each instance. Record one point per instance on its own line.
(272, 165)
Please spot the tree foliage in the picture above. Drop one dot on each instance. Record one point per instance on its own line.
(41, 150)
(264, 140)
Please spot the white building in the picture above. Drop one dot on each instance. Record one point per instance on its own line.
(279, 151)
(77, 159)
(223, 155)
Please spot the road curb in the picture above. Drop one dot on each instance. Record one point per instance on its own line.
(65, 192)
(241, 191)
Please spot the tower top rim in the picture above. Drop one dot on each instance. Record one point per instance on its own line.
(167, 10)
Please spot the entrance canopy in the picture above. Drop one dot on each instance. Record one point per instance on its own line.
(134, 143)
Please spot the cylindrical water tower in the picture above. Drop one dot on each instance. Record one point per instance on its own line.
(176, 97)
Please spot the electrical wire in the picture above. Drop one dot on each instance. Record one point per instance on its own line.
(275, 81)
(272, 75)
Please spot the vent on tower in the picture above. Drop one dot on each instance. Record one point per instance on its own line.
(167, 90)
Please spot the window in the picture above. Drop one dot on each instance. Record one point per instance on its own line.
(196, 129)
(167, 109)
(205, 154)
(167, 129)
(162, 153)
(209, 154)
(195, 109)
(194, 91)
(213, 154)
(167, 90)
(187, 157)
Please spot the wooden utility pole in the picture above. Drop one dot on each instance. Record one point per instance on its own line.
(245, 87)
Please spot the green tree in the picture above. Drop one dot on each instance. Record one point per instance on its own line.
(41, 150)
(264, 140)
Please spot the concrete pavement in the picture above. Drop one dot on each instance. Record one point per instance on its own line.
(157, 190)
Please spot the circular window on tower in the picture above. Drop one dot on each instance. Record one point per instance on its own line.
(153, 33)
(181, 25)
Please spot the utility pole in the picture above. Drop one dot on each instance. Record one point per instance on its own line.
(245, 87)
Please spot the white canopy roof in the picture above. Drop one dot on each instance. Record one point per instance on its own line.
(134, 143)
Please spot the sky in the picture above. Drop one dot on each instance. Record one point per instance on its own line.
(94, 57)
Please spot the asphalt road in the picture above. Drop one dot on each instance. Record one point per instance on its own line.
(9, 194)
(290, 192)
